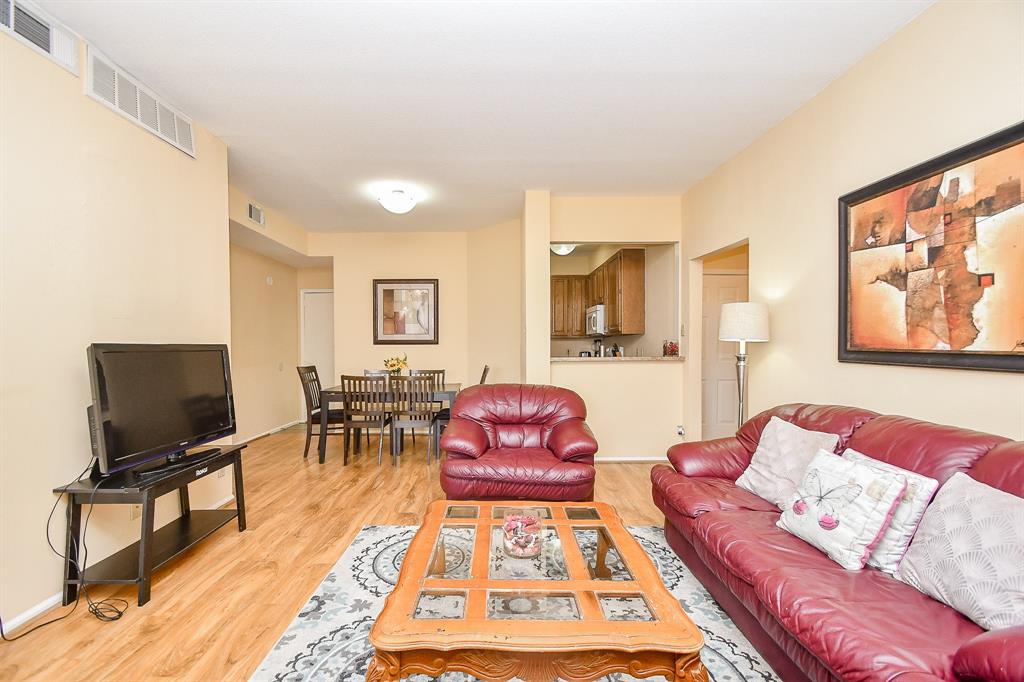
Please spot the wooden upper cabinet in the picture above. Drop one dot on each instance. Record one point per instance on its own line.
(559, 306)
(630, 291)
(618, 284)
(568, 305)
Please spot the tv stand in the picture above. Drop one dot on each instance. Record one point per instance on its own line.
(135, 564)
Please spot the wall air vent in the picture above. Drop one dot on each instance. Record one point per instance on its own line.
(114, 87)
(257, 215)
(33, 27)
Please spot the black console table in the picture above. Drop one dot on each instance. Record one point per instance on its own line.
(135, 563)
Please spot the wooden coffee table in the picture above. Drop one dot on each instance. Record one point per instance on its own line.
(590, 604)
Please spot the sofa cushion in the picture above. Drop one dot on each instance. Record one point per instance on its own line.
(1002, 468)
(516, 473)
(695, 496)
(843, 508)
(750, 543)
(934, 450)
(969, 552)
(893, 545)
(518, 415)
(781, 458)
(865, 624)
(837, 419)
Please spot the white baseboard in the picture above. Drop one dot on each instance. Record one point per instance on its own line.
(220, 503)
(31, 612)
(274, 430)
(642, 458)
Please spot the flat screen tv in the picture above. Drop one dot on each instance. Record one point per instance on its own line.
(154, 401)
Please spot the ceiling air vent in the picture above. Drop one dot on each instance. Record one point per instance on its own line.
(257, 215)
(34, 28)
(117, 89)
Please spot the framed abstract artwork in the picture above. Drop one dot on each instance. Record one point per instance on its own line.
(931, 262)
(404, 311)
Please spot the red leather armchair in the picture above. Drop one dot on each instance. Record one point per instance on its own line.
(514, 441)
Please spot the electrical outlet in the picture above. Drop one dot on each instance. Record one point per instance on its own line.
(680, 431)
(134, 512)
(221, 473)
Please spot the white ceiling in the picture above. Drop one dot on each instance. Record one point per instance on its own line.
(479, 101)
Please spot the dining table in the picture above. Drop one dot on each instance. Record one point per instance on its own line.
(445, 393)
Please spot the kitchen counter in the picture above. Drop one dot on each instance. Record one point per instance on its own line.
(576, 358)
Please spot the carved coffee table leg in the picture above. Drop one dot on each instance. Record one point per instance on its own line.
(689, 668)
(383, 668)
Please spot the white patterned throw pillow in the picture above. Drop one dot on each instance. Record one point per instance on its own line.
(907, 517)
(969, 552)
(843, 508)
(781, 458)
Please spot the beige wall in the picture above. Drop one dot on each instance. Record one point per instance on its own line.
(951, 76)
(479, 289)
(735, 259)
(495, 305)
(278, 226)
(634, 407)
(359, 258)
(316, 278)
(108, 234)
(264, 342)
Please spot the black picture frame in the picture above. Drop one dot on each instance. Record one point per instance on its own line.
(379, 339)
(1005, 362)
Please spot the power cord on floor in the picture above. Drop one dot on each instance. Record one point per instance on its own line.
(104, 609)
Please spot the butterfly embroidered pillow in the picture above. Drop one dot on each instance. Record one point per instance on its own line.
(905, 520)
(843, 508)
(781, 458)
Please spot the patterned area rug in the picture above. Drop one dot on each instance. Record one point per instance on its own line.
(328, 640)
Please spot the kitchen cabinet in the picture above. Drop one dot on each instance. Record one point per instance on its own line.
(568, 305)
(617, 284)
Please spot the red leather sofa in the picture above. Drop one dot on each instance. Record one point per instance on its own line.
(514, 441)
(810, 618)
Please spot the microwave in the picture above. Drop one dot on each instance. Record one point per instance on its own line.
(596, 325)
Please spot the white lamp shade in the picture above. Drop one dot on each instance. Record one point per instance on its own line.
(743, 322)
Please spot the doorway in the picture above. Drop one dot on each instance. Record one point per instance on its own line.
(316, 335)
(725, 280)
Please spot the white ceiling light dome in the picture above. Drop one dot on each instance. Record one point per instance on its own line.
(397, 201)
(562, 249)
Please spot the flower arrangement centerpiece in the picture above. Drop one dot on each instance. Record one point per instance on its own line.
(396, 364)
(521, 533)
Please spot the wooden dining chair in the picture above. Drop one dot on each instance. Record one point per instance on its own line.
(374, 373)
(311, 392)
(412, 408)
(483, 375)
(442, 414)
(366, 406)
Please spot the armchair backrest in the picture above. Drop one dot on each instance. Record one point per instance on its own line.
(518, 415)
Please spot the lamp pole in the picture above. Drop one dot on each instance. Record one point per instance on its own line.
(741, 380)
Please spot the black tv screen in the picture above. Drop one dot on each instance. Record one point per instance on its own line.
(152, 400)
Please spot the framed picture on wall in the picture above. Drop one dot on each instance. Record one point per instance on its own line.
(931, 261)
(404, 311)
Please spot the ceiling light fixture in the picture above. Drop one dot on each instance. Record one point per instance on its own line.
(397, 200)
(562, 249)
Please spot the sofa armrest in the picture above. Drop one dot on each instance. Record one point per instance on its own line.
(464, 437)
(993, 656)
(720, 458)
(572, 441)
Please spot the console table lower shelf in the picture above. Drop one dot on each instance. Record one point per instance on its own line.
(135, 564)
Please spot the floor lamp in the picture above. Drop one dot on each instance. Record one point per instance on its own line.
(743, 322)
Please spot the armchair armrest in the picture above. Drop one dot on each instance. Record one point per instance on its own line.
(993, 656)
(719, 458)
(464, 437)
(572, 440)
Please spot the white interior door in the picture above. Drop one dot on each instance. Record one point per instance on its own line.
(720, 399)
(316, 338)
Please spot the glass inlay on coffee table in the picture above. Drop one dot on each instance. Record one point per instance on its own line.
(534, 589)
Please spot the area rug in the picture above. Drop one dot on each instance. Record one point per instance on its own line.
(328, 640)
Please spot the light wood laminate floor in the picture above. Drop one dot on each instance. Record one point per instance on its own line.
(218, 609)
